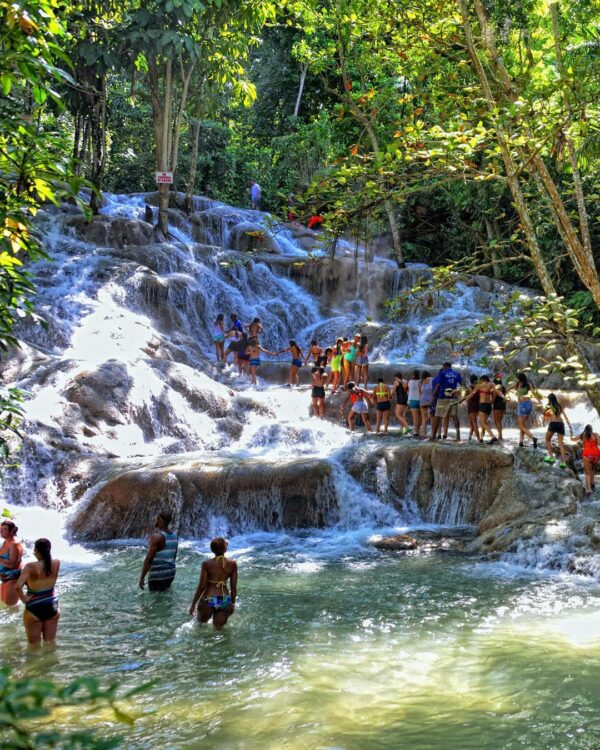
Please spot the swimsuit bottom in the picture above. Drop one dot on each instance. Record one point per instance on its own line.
(217, 603)
(44, 605)
(297, 363)
(499, 404)
(593, 458)
(425, 404)
(473, 406)
(318, 392)
(245, 357)
(218, 338)
(414, 403)
(362, 361)
(402, 401)
(524, 408)
(350, 358)
(255, 362)
(9, 574)
(384, 405)
(360, 407)
(485, 408)
(556, 428)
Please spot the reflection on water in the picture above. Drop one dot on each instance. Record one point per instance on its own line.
(333, 648)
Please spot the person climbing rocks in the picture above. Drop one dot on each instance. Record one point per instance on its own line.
(360, 401)
(254, 349)
(556, 417)
(446, 389)
(361, 367)
(317, 393)
(219, 337)
(42, 612)
(213, 597)
(297, 358)
(383, 405)
(486, 392)
(159, 563)
(255, 195)
(590, 455)
(11, 555)
(414, 401)
(425, 401)
(472, 399)
(401, 391)
(524, 409)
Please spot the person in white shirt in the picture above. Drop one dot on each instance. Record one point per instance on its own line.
(255, 195)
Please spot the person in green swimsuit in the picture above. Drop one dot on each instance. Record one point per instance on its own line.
(336, 366)
(383, 404)
(350, 357)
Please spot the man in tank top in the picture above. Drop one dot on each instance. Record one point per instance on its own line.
(160, 558)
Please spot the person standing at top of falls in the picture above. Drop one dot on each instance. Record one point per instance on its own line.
(414, 401)
(317, 393)
(486, 391)
(11, 555)
(499, 405)
(524, 408)
(383, 405)
(316, 352)
(219, 337)
(446, 388)
(361, 368)
(159, 562)
(212, 595)
(297, 357)
(350, 354)
(255, 195)
(41, 603)
(360, 400)
(556, 417)
(254, 349)
(255, 328)
(590, 455)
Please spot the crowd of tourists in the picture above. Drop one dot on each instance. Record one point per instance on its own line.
(424, 405)
(34, 583)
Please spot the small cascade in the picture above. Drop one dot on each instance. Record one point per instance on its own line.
(455, 496)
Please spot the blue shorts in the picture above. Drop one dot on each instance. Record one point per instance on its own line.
(255, 362)
(524, 408)
(297, 363)
(414, 404)
(362, 361)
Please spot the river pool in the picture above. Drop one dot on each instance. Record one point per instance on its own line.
(333, 645)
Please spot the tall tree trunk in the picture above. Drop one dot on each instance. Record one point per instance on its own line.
(492, 240)
(98, 136)
(303, 72)
(163, 154)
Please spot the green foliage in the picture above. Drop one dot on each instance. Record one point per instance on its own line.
(27, 704)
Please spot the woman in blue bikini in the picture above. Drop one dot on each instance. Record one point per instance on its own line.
(10, 563)
(41, 604)
(212, 595)
(297, 359)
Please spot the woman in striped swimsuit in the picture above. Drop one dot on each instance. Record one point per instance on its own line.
(41, 604)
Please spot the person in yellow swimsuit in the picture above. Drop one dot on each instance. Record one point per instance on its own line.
(213, 597)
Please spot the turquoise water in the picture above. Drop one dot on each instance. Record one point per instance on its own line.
(333, 645)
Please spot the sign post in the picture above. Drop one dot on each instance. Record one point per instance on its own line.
(164, 178)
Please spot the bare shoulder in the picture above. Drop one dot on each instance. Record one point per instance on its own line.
(55, 566)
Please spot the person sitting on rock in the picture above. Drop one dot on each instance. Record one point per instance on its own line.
(162, 553)
(212, 595)
(591, 456)
(359, 398)
(556, 417)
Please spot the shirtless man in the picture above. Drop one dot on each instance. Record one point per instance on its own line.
(212, 595)
(255, 328)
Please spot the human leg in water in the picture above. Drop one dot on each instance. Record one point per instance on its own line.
(38, 630)
(351, 418)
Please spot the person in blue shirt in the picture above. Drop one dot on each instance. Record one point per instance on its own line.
(447, 390)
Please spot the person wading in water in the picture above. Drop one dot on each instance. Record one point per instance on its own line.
(212, 595)
(41, 604)
(161, 555)
(11, 554)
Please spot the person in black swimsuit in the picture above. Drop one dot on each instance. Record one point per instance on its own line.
(317, 393)
(41, 604)
(499, 405)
